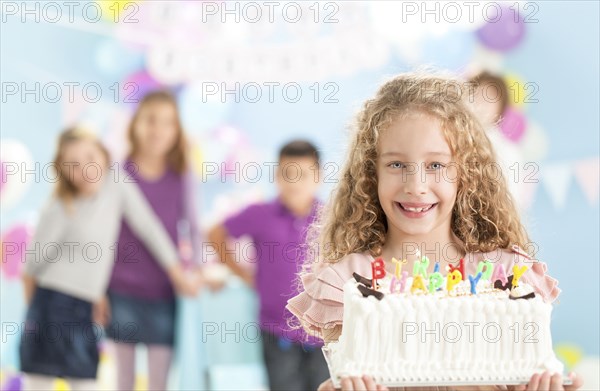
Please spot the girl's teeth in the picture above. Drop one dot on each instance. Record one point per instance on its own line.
(418, 210)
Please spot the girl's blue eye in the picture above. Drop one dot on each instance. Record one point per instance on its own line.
(395, 165)
(436, 165)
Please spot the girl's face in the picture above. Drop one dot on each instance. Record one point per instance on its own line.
(84, 164)
(155, 130)
(417, 181)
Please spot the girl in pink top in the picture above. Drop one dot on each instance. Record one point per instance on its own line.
(421, 174)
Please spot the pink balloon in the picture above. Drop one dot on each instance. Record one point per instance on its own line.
(513, 124)
(14, 242)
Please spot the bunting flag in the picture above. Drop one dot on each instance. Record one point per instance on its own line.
(556, 178)
(587, 173)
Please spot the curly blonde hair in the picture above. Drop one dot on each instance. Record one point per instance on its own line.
(484, 216)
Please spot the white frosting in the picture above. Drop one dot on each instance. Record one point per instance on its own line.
(443, 338)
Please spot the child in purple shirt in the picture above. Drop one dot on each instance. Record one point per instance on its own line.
(142, 300)
(278, 229)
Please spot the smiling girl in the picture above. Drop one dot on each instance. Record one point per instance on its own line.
(416, 178)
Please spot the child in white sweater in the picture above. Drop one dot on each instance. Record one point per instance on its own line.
(70, 259)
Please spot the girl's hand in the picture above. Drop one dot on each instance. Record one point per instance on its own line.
(547, 381)
(29, 285)
(101, 312)
(355, 383)
(185, 283)
(327, 385)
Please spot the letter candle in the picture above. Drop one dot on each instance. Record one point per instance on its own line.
(499, 274)
(418, 283)
(460, 268)
(420, 267)
(517, 273)
(435, 281)
(486, 268)
(377, 271)
(452, 279)
(399, 264)
(474, 281)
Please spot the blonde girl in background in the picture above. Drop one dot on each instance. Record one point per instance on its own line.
(70, 259)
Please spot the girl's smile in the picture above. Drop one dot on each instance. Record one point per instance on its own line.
(415, 209)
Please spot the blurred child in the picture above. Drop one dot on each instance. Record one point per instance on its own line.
(278, 230)
(140, 291)
(490, 100)
(72, 260)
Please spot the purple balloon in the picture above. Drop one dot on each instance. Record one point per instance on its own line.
(513, 124)
(504, 29)
(136, 86)
(13, 384)
(139, 84)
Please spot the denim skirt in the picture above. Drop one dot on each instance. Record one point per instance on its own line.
(59, 337)
(137, 320)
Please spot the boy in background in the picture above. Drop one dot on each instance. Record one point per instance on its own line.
(278, 229)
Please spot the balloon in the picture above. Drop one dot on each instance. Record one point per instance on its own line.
(569, 354)
(118, 11)
(517, 94)
(136, 86)
(141, 383)
(116, 60)
(197, 158)
(14, 383)
(504, 29)
(14, 242)
(61, 385)
(513, 124)
(202, 108)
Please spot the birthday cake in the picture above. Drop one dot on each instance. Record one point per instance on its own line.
(438, 329)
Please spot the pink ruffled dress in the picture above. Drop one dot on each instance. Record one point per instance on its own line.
(321, 304)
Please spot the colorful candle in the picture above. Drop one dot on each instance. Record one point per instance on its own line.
(377, 271)
(474, 281)
(517, 273)
(499, 274)
(435, 281)
(452, 279)
(460, 268)
(486, 268)
(418, 283)
(420, 267)
(399, 264)
(398, 283)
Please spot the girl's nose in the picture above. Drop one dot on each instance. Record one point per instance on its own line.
(414, 182)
